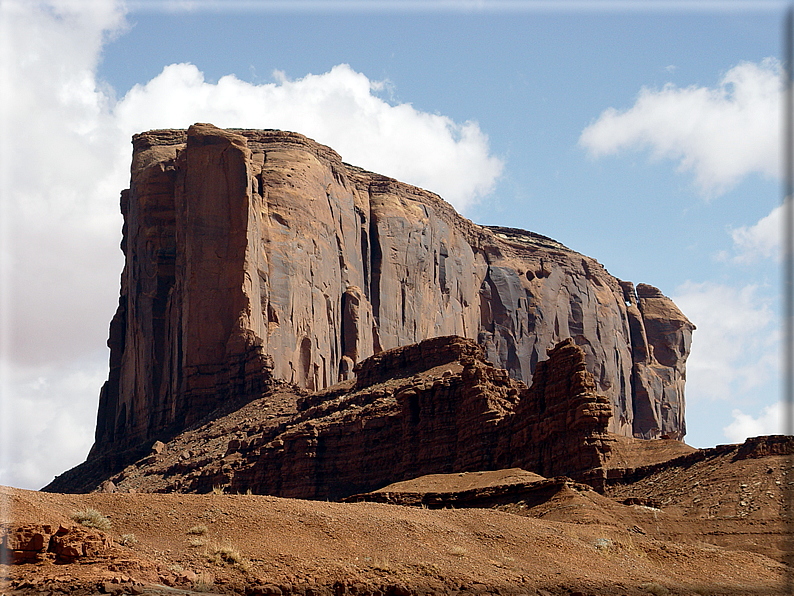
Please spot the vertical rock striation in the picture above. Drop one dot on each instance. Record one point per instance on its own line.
(257, 255)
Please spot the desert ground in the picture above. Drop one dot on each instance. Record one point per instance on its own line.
(711, 527)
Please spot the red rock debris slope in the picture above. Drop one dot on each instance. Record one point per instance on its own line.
(433, 407)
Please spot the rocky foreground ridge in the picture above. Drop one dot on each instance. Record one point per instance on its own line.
(256, 257)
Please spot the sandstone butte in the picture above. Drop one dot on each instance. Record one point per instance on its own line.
(257, 257)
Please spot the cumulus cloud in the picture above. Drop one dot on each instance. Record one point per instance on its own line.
(735, 347)
(339, 108)
(761, 240)
(65, 156)
(720, 134)
(56, 406)
(768, 422)
(59, 258)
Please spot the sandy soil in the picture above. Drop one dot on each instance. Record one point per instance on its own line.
(576, 542)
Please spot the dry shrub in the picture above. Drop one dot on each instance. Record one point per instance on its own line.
(128, 540)
(204, 583)
(91, 518)
(199, 530)
(227, 555)
(378, 563)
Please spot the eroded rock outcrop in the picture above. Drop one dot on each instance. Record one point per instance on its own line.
(433, 407)
(30, 543)
(254, 255)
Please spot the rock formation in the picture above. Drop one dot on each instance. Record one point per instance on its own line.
(38, 543)
(258, 255)
(446, 410)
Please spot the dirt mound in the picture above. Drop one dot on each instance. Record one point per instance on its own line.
(463, 481)
(730, 495)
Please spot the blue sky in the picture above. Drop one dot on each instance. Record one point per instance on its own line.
(645, 138)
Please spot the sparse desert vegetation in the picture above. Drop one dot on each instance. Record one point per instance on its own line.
(199, 530)
(128, 540)
(91, 518)
(239, 543)
(226, 554)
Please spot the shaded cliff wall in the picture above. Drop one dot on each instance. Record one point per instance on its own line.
(258, 255)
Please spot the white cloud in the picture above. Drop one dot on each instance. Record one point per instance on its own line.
(761, 240)
(721, 134)
(339, 108)
(64, 158)
(768, 422)
(53, 409)
(735, 347)
(59, 226)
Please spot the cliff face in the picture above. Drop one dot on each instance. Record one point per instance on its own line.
(257, 255)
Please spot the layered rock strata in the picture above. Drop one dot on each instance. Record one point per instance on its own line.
(254, 255)
(444, 409)
(529, 494)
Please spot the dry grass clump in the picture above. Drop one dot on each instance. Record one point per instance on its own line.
(127, 540)
(378, 563)
(199, 530)
(457, 551)
(217, 490)
(91, 518)
(204, 583)
(227, 555)
(603, 544)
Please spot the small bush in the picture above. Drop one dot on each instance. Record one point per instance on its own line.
(378, 563)
(457, 551)
(204, 583)
(195, 542)
(91, 518)
(217, 490)
(230, 554)
(603, 544)
(199, 530)
(128, 540)
(227, 555)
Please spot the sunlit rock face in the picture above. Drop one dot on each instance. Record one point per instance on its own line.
(254, 255)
